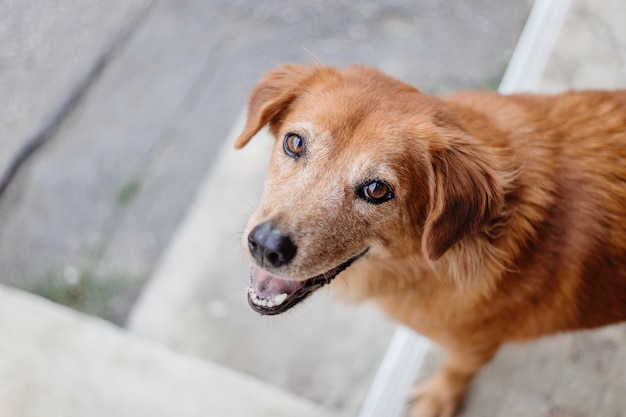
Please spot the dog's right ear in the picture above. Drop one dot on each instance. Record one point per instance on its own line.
(466, 197)
(271, 96)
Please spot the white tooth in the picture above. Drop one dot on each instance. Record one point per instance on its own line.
(279, 299)
(270, 303)
(264, 303)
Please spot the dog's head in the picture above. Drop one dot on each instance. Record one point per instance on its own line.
(364, 166)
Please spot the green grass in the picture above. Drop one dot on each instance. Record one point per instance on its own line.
(127, 192)
(89, 294)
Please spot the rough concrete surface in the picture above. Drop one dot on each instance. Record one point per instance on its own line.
(590, 51)
(579, 374)
(92, 368)
(48, 51)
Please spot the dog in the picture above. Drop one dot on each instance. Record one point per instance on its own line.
(475, 219)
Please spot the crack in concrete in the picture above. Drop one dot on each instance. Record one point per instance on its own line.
(75, 97)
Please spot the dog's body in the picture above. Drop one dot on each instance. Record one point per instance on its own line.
(475, 220)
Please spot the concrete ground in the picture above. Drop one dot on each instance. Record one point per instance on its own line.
(88, 216)
(56, 362)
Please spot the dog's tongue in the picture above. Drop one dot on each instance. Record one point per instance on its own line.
(268, 286)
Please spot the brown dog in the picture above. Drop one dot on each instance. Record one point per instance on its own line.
(475, 220)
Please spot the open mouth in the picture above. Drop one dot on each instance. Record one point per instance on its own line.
(270, 295)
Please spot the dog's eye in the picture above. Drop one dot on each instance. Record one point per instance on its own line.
(375, 192)
(293, 145)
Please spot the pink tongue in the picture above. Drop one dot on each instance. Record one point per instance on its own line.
(268, 285)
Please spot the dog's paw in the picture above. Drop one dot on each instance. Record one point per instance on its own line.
(435, 398)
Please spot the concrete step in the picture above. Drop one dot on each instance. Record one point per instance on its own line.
(55, 362)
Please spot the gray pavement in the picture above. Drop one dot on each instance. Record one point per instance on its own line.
(570, 375)
(590, 49)
(55, 362)
(50, 50)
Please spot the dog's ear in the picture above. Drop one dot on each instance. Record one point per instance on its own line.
(466, 196)
(271, 96)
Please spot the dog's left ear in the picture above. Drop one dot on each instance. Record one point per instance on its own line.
(270, 97)
(466, 197)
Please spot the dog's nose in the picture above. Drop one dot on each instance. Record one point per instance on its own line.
(270, 246)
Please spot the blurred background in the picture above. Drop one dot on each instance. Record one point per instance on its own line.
(116, 115)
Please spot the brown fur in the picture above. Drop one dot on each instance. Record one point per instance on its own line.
(509, 215)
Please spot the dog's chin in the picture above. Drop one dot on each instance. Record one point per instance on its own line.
(270, 295)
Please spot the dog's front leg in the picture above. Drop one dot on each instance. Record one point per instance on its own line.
(442, 394)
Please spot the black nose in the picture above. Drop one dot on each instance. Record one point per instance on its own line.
(270, 246)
